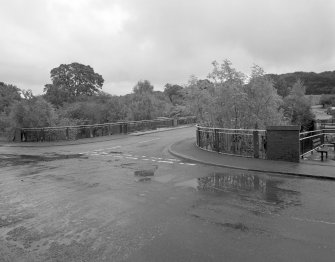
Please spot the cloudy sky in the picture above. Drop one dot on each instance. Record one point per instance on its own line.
(163, 41)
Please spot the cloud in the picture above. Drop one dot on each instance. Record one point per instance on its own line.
(162, 41)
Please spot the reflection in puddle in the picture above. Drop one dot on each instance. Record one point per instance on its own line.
(254, 192)
(246, 184)
(144, 175)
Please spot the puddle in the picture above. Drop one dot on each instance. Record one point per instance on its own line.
(11, 159)
(257, 190)
(145, 175)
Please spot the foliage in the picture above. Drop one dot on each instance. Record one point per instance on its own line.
(33, 112)
(8, 95)
(144, 103)
(226, 100)
(143, 88)
(72, 80)
(297, 107)
(315, 83)
(327, 100)
(174, 93)
(98, 109)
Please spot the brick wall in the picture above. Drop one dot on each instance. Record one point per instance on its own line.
(283, 143)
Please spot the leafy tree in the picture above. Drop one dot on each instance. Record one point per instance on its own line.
(143, 87)
(227, 101)
(33, 112)
(174, 93)
(8, 95)
(327, 100)
(297, 107)
(72, 80)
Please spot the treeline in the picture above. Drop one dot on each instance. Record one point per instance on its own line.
(226, 98)
(315, 83)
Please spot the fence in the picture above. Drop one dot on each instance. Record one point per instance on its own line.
(242, 142)
(86, 131)
(312, 140)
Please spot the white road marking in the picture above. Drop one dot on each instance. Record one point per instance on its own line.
(144, 156)
(314, 221)
(153, 160)
(162, 161)
(181, 163)
(173, 159)
(131, 157)
(113, 147)
(145, 159)
(148, 140)
(189, 164)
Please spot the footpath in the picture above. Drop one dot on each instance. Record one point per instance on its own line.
(186, 149)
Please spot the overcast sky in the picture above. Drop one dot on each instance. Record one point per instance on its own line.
(163, 41)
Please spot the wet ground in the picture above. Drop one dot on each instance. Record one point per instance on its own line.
(132, 201)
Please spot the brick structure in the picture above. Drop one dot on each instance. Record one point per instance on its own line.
(283, 143)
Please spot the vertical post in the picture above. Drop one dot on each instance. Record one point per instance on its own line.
(91, 131)
(256, 143)
(67, 133)
(197, 136)
(216, 139)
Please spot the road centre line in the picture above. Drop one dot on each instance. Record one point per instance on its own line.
(162, 161)
(148, 141)
(131, 157)
(113, 147)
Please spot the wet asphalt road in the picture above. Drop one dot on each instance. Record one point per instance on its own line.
(130, 200)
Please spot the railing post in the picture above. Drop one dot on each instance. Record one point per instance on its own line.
(216, 139)
(256, 143)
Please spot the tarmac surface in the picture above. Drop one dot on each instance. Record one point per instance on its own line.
(126, 198)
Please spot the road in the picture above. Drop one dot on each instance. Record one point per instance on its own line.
(130, 200)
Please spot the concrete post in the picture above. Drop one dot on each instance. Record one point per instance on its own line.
(283, 143)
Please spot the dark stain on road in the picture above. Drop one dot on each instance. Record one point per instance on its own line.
(12, 159)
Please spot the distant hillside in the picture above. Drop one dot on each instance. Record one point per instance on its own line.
(316, 83)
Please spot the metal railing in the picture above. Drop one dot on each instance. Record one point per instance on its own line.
(241, 142)
(312, 140)
(47, 134)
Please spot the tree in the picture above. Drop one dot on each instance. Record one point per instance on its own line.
(8, 95)
(33, 112)
(297, 107)
(143, 87)
(173, 92)
(228, 101)
(72, 80)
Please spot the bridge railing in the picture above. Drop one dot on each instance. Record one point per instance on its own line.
(48, 134)
(241, 142)
(312, 140)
